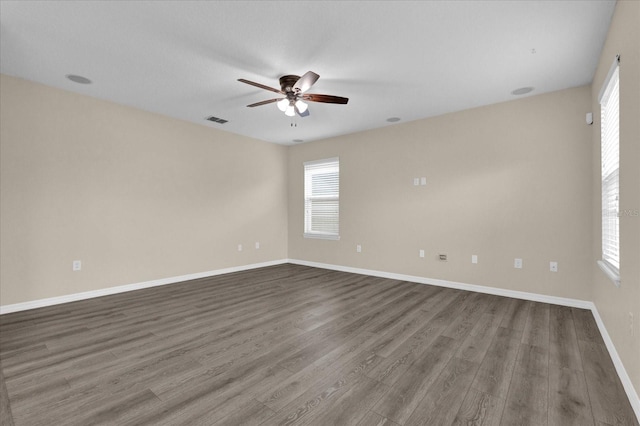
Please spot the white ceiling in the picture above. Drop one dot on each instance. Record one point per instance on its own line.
(390, 58)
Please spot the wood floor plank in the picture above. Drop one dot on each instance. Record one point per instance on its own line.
(297, 383)
(479, 408)
(109, 411)
(88, 366)
(375, 419)
(351, 407)
(564, 351)
(495, 372)
(358, 321)
(397, 363)
(586, 326)
(442, 403)
(606, 394)
(536, 329)
(498, 306)
(253, 413)
(6, 418)
(527, 400)
(342, 363)
(406, 393)
(310, 405)
(291, 344)
(409, 327)
(466, 320)
(568, 398)
(477, 343)
(516, 315)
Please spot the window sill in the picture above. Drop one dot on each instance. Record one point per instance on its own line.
(612, 273)
(322, 236)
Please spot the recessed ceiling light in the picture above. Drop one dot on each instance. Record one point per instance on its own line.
(78, 79)
(298, 140)
(522, 91)
(393, 119)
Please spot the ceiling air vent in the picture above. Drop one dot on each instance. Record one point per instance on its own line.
(217, 120)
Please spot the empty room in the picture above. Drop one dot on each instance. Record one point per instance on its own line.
(320, 212)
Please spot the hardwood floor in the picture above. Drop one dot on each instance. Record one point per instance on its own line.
(293, 345)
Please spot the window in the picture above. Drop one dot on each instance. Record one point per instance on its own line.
(322, 199)
(610, 161)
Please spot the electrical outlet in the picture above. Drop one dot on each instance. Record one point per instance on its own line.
(257, 245)
(474, 258)
(423, 181)
(358, 248)
(239, 247)
(77, 265)
(421, 253)
(442, 257)
(517, 263)
(631, 323)
(416, 181)
(553, 266)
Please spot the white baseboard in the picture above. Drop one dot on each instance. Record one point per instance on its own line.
(574, 303)
(617, 362)
(41, 303)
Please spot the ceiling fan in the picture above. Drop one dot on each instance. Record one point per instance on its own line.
(293, 88)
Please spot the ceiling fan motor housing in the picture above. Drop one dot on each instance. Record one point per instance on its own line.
(287, 82)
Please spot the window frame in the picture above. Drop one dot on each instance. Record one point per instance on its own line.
(610, 173)
(309, 167)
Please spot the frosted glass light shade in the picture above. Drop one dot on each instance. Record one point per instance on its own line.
(283, 104)
(290, 112)
(302, 107)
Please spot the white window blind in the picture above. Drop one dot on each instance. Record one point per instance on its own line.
(610, 161)
(322, 199)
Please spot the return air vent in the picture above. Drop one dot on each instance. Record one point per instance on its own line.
(217, 120)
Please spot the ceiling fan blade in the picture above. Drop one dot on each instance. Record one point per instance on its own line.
(305, 82)
(262, 86)
(302, 114)
(328, 99)
(270, 101)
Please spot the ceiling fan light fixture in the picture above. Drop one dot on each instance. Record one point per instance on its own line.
(293, 87)
(302, 107)
(290, 112)
(283, 104)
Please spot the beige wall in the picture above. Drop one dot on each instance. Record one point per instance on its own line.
(503, 181)
(134, 195)
(615, 304)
